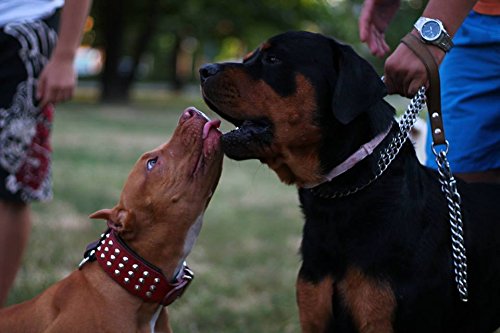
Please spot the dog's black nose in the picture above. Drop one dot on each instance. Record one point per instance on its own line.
(209, 70)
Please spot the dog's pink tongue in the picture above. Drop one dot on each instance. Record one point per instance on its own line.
(209, 125)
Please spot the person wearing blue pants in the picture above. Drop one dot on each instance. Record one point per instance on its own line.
(469, 70)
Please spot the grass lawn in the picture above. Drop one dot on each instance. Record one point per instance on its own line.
(246, 258)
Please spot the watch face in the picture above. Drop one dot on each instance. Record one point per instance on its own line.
(431, 30)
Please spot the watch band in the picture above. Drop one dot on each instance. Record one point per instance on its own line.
(443, 41)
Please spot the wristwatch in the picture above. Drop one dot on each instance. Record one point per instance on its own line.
(433, 32)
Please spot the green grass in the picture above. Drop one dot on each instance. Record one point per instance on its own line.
(246, 257)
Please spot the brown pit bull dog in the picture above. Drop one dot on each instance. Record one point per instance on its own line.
(137, 267)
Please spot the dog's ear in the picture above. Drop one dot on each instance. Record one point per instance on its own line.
(117, 218)
(358, 85)
(103, 214)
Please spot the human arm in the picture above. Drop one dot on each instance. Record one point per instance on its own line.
(404, 73)
(57, 80)
(373, 21)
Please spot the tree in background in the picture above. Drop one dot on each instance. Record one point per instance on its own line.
(178, 35)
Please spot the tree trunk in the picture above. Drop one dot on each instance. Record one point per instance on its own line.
(176, 80)
(114, 24)
(116, 81)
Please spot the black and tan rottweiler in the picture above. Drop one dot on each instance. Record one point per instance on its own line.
(379, 259)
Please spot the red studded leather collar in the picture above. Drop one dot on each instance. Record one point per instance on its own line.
(135, 274)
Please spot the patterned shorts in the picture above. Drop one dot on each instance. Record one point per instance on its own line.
(25, 173)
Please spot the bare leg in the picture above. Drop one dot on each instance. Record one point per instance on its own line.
(490, 176)
(15, 226)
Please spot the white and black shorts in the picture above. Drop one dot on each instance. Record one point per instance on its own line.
(25, 152)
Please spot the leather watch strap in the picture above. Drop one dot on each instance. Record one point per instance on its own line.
(434, 91)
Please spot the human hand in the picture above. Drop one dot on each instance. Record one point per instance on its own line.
(57, 81)
(373, 21)
(404, 72)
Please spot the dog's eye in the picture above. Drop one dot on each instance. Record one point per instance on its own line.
(272, 60)
(150, 164)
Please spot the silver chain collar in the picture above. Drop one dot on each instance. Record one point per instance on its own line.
(391, 151)
(448, 187)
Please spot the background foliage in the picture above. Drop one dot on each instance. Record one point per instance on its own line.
(167, 40)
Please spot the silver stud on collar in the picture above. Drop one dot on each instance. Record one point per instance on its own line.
(135, 266)
(141, 280)
(126, 280)
(130, 273)
(152, 288)
(145, 273)
(157, 280)
(106, 249)
(117, 272)
(148, 294)
(110, 242)
(108, 264)
(137, 287)
(120, 266)
(112, 257)
(102, 255)
(125, 259)
(117, 251)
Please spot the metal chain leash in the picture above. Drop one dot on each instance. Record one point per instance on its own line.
(405, 125)
(449, 188)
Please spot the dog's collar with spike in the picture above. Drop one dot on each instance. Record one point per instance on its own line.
(133, 273)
